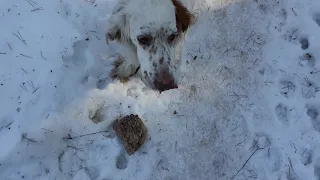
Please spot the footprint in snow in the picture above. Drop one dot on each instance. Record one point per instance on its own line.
(281, 111)
(309, 89)
(79, 57)
(288, 88)
(274, 160)
(307, 59)
(317, 169)
(313, 113)
(316, 18)
(122, 161)
(306, 157)
(102, 83)
(304, 42)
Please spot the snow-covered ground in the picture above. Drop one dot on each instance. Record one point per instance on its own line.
(248, 106)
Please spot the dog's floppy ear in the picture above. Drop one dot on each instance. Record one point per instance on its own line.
(184, 18)
(118, 28)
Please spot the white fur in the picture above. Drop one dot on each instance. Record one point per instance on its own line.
(137, 17)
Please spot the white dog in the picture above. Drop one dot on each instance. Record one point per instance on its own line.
(152, 30)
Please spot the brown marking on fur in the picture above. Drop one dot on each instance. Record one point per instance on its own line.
(183, 17)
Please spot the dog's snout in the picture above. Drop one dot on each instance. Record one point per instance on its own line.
(165, 81)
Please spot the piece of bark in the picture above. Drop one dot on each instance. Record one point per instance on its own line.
(131, 131)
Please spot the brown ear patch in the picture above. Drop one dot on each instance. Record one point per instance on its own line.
(183, 17)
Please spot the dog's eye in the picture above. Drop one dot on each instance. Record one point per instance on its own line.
(172, 37)
(144, 40)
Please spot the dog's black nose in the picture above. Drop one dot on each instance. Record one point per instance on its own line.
(165, 81)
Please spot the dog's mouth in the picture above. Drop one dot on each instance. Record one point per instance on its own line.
(162, 83)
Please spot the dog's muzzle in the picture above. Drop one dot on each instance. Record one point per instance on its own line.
(165, 81)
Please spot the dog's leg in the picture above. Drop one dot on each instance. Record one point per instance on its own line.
(126, 65)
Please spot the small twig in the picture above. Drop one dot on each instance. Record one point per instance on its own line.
(37, 9)
(20, 36)
(59, 160)
(24, 136)
(315, 71)
(24, 70)
(3, 53)
(245, 163)
(307, 81)
(294, 31)
(238, 96)
(43, 56)
(291, 173)
(47, 130)
(9, 46)
(22, 40)
(69, 136)
(250, 36)
(32, 3)
(35, 90)
(294, 146)
(294, 12)
(238, 144)
(296, 75)
(25, 55)
(24, 87)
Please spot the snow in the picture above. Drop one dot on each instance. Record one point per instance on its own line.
(248, 106)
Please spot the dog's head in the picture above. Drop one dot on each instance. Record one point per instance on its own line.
(155, 28)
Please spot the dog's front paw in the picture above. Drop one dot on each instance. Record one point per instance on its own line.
(112, 35)
(123, 70)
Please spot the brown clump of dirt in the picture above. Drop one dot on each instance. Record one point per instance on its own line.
(131, 131)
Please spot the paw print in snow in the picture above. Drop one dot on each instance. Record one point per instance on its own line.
(309, 89)
(304, 43)
(306, 157)
(316, 18)
(313, 113)
(122, 161)
(317, 169)
(281, 111)
(307, 60)
(287, 88)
